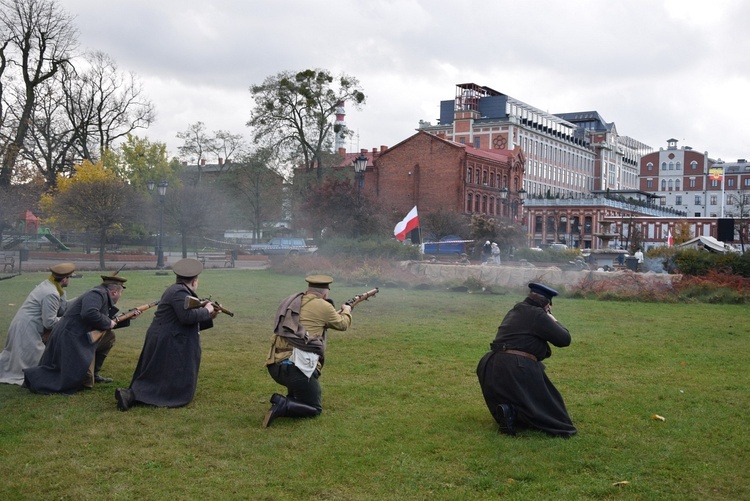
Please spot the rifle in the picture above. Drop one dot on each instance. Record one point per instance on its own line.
(361, 297)
(193, 302)
(95, 336)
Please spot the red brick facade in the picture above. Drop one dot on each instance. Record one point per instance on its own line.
(434, 173)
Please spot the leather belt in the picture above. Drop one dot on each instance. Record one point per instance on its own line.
(520, 353)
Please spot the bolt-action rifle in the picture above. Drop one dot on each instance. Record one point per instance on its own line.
(95, 335)
(361, 297)
(193, 302)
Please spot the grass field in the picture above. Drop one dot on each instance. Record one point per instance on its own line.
(403, 414)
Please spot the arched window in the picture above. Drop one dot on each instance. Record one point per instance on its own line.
(484, 177)
(678, 166)
(677, 185)
(671, 165)
(650, 166)
(476, 176)
(468, 202)
(663, 185)
(670, 184)
(484, 204)
(492, 206)
(468, 174)
(476, 203)
(664, 166)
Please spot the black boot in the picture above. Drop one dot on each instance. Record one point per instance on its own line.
(506, 418)
(298, 409)
(125, 398)
(278, 409)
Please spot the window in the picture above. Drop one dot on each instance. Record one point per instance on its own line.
(462, 140)
(650, 166)
(476, 176)
(747, 181)
(677, 185)
(714, 183)
(678, 200)
(649, 183)
(476, 203)
(712, 200)
(671, 165)
(468, 174)
(697, 199)
(484, 177)
(476, 142)
(730, 181)
(678, 166)
(663, 185)
(694, 165)
(692, 182)
(671, 185)
(468, 202)
(664, 166)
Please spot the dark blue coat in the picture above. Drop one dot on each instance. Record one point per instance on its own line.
(68, 355)
(167, 370)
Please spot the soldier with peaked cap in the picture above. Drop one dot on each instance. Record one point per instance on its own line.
(65, 366)
(167, 370)
(298, 348)
(33, 322)
(514, 384)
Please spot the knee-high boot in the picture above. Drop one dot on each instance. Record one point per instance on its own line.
(287, 407)
(295, 408)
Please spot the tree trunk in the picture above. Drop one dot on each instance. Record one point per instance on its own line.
(102, 246)
(184, 245)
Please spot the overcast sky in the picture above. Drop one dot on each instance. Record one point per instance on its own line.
(658, 69)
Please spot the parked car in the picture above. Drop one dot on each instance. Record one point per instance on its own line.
(283, 245)
(450, 244)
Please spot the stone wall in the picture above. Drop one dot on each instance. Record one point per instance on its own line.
(511, 276)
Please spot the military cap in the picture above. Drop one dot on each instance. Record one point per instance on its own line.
(187, 268)
(114, 279)
(319, 281)
(543, 290)
(62, 270)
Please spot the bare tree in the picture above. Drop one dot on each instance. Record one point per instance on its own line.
(227, 145)
(197, 142)
(294, 112)
(105, 104)
(741, 214)
(191, 211)
(38, 40)
(257, 190)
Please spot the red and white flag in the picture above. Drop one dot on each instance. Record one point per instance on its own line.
(670, 239)
(410, 222)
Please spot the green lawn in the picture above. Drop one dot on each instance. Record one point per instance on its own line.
(403, 414)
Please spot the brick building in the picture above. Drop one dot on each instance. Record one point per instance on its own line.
(434, 173)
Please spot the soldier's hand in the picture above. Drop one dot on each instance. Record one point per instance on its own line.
(211, 310)
(346, 309)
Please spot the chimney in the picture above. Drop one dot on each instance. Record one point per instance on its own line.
(374, 152)
(383, 148)
(342, 151)
(184, 162)
(203, 161)
(221, 161)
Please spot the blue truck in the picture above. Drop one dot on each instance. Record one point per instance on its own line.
(449, 245)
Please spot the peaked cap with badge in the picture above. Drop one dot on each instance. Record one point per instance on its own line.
(319, 281)
(543, 290)
(187, 268)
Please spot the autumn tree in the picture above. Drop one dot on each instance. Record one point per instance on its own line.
(38, 39)
(294, 113)
(93, 200)
(139, 161)
(256, 189)
(441, 223)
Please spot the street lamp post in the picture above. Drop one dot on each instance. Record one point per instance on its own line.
(360, 165)
(162, 190)
(503, 195)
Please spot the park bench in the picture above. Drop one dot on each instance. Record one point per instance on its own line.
(8, 261)
(226, 257)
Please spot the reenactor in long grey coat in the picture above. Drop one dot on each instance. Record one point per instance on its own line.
(34, 321)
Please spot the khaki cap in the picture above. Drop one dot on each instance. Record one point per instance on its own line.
(319, 281)
(114, 279)
(187, 268)
(62, 270)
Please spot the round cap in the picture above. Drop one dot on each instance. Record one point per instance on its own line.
(187, 268)
(319, 281)
(543, 290)
(114, 279)
(62, 270)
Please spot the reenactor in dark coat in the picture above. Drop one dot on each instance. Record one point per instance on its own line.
(71, 354)
(514, 384)
(167, 370)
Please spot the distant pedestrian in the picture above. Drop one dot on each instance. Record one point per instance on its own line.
(486, 251)
(495, 251)
(639, 256)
